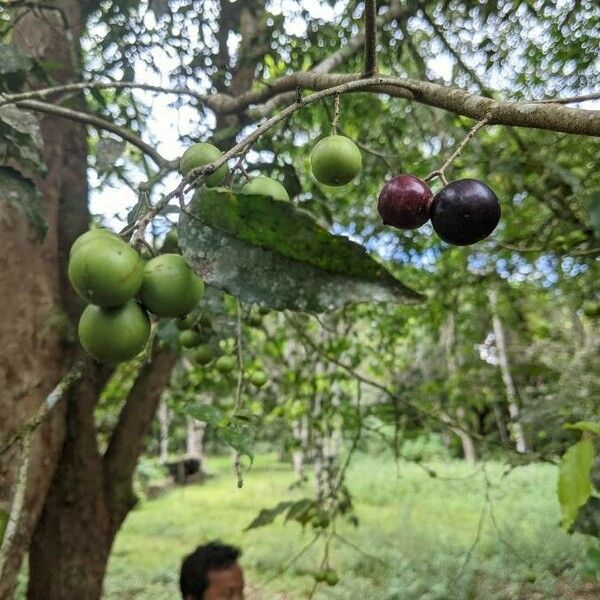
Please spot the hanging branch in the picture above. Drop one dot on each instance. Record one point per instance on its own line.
(441, 172)
(370, 62)
(239, 386)
(98, 123)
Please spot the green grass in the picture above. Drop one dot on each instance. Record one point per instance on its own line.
(414, 536)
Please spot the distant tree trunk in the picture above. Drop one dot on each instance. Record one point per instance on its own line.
(507, 379)
(300, 430)
(195, 439)
(164, 421)
(500, 423)
(448, 339)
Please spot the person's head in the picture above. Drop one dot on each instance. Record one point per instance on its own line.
(211, 572)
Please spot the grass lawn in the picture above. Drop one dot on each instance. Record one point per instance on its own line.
(414, 536)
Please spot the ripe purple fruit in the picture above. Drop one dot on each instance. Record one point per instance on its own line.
(404, 202)
(464, 212)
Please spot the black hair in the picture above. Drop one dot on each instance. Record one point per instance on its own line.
(213, 556)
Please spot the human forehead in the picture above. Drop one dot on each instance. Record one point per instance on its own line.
(232, 575)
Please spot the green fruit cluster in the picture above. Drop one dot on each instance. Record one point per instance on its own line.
(110, 275)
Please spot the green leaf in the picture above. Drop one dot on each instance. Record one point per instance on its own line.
(300, 511)
(12, 60)
(267, 515)
(3, 523)
(588, 426)
(268, 252)
(203, 412)
(594, 210)
(21, 193)
(574, 486)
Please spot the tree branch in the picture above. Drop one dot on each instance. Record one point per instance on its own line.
(73, 375)
(370, 54)
(98, 85)
(127, 440)
(98, 123)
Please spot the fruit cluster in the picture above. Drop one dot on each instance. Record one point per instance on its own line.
(121, 288)
(463, 212)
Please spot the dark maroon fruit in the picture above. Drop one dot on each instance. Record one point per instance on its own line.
(404, 202)
(464, 212)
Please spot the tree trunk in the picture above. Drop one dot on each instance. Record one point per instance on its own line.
(195, 439)
(91, 494)
(39, 307)
(509, 385)
(448, 338)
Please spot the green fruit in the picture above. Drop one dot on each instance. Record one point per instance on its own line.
(203, 354)
(189, 338)
(335, 160)
(113, 335)
(186, 322)
(320, 575)
(92, 234)
(171, 242)
(202, 154)
(257, 378)
(106, 271)
(170, 288)
(265, 186)
(331, 577)
(225, 364)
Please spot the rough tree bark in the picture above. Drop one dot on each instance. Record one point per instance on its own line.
(504, 364)
(91, 494)
(38, 305)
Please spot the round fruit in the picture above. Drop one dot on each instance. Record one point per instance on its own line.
(404, 202)
(189, 338)
(464, 212)
(202, 154)
(92, 234)
(106, 271)
(186, 322)
(257, 378)
(265, 186)
(113, 335)
(331, 577)
(335, 160)
(203, 354)
(320, 575)
(170, 288)
(171, 242)
(225, 364)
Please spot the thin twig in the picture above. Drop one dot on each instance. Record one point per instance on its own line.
(370, 60)
(336, 114)
(98, 123)
(441, 172)
(239, 386)
(96, 85)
